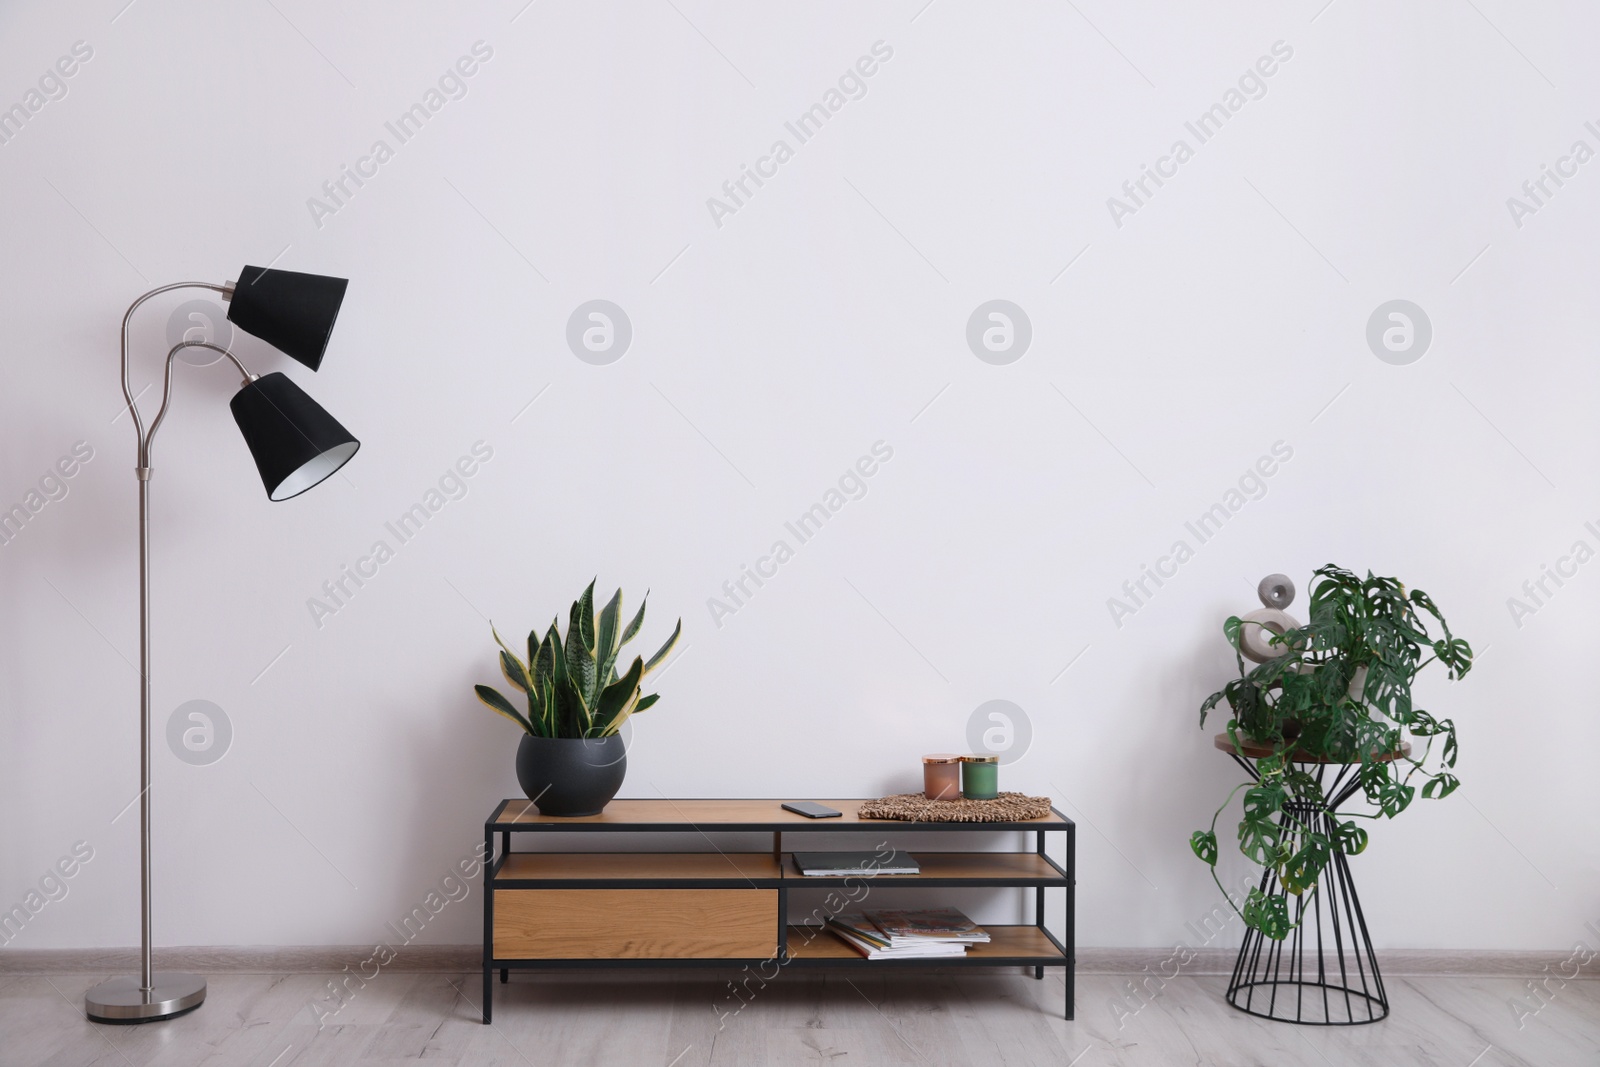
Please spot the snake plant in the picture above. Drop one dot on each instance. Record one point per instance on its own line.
(572, 686)
(1340, 692)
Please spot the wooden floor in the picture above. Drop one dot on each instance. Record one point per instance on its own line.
(675, 1019)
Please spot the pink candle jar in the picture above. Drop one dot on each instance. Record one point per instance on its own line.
(941, 776)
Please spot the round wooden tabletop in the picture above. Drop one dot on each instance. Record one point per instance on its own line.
(1255, 750)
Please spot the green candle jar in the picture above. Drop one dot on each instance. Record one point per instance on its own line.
(980, 777)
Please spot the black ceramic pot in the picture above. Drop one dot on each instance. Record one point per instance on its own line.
(571, 776)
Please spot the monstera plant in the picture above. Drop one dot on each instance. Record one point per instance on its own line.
(572, 759)
(1339, 692)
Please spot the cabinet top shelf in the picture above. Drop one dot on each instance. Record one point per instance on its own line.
(533, 870)
(732, 815)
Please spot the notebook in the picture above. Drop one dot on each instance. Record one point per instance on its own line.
(865, 864)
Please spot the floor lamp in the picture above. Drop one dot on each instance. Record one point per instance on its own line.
(296, 444)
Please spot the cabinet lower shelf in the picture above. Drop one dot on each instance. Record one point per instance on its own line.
(1025, 946)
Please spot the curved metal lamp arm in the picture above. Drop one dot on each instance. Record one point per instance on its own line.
(147, 440)
(127, 391)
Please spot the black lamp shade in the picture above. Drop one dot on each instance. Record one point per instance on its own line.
(295, 443)
(292, 312)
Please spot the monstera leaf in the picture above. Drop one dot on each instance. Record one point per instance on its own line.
(1270, 915)
(1204, 844)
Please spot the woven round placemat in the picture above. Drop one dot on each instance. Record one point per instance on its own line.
(914, 807)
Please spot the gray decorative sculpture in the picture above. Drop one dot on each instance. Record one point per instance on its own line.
(1276, 592)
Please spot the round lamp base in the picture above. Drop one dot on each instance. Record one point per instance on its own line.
(120, 1000)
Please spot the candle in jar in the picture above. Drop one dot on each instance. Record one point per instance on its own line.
(941, 776)
(980, 777)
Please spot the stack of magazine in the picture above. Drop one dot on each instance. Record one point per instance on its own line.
(933, 933)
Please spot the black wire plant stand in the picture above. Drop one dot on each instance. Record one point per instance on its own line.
(1325, 972)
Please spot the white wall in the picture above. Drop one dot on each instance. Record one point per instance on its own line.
(1227, 313)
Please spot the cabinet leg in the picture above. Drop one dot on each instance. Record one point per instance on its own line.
(1038, 973)
(488, 995)
(505, 975)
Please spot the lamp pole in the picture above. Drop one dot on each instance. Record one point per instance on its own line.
(152, 995)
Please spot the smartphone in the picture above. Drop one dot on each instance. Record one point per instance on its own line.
(812, 810)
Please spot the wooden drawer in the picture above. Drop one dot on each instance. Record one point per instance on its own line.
(602, 924)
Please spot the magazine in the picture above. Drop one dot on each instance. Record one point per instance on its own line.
(860, 934)
(928, 924)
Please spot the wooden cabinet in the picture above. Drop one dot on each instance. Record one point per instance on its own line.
(549, 907)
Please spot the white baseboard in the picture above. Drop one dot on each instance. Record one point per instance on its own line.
(464, 959)
(1396, 963)
(250, 959)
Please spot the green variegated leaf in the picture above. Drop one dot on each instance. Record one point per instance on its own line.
(500, 704)
(515, 672)
(606, 642)
(558, 658)
(622, 716)
(570, 716)
(618, 694)
(548, 712)
(632, 629)
(523, 681)
(581, 669)
(666, 648)
(585, 713)
(583, 619)
(645, 701)
(544, 661)
(1204, 844)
